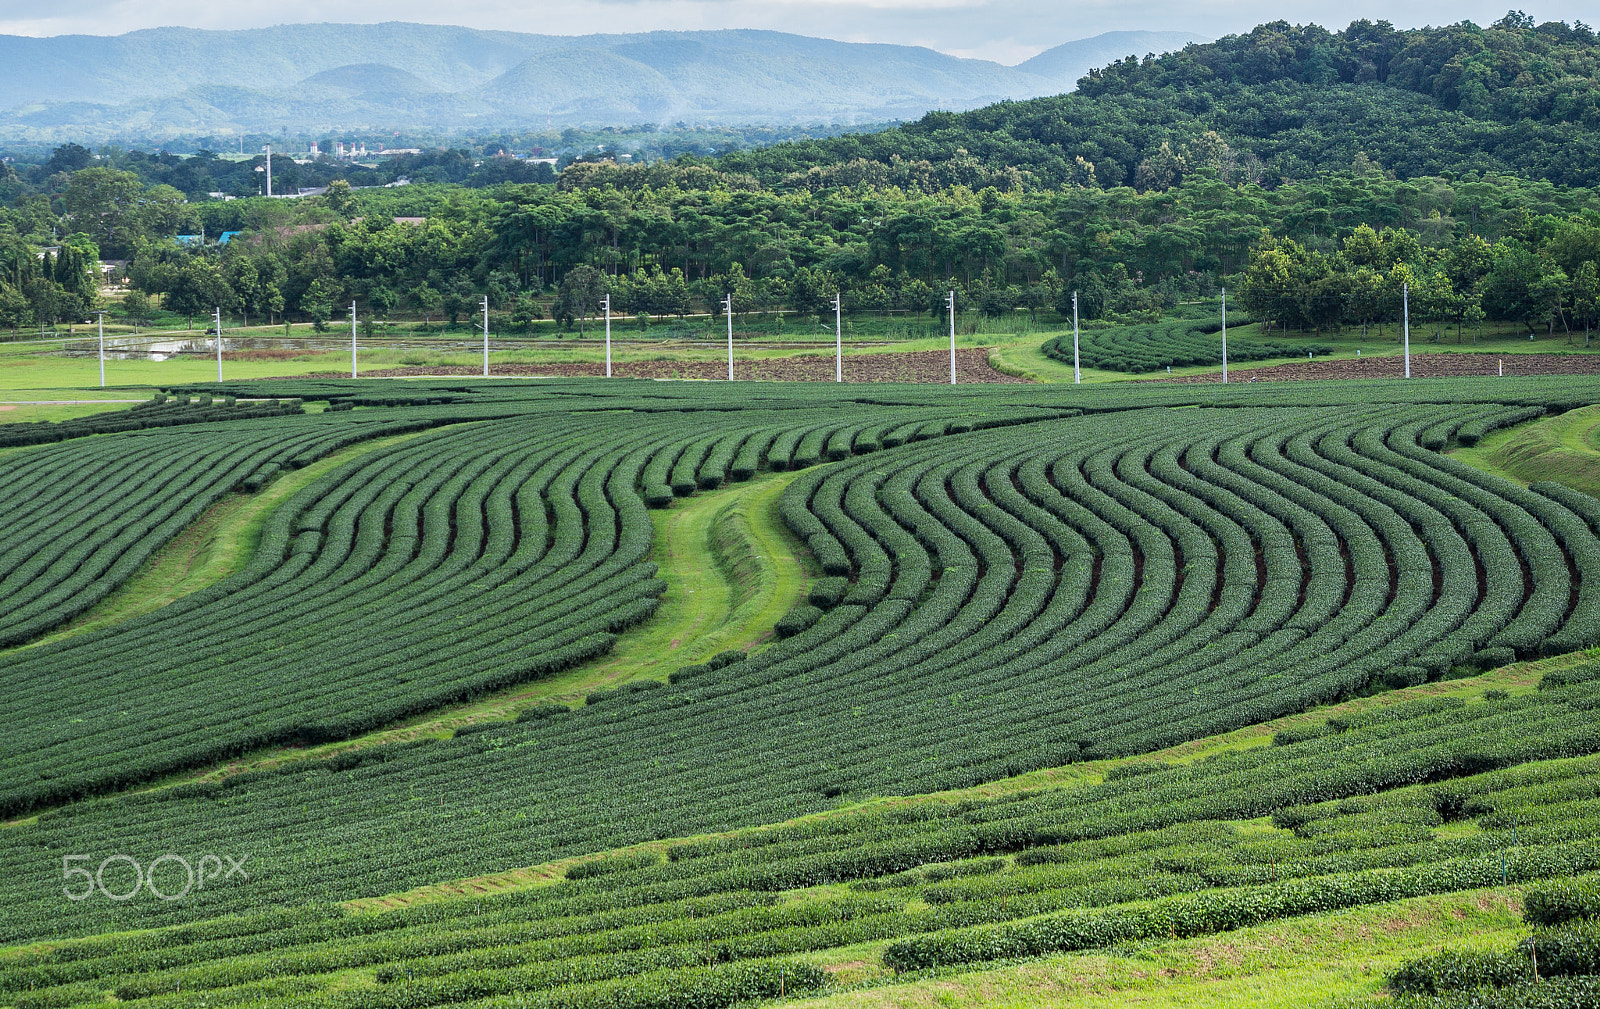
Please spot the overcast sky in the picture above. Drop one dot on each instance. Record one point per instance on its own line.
(1003, 30)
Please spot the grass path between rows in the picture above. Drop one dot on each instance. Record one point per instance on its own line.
(1564, 448)
(1519, 678)
(217, 545)
(1337, 959)
(758, 572)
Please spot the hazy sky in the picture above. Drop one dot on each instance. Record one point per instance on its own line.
(1003, 30)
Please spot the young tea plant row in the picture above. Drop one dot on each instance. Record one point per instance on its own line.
(1154, 852)
(1555, 967)
(161, 411)
(1147, 348)
(999, 600)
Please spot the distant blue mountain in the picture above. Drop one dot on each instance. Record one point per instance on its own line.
(318, 76)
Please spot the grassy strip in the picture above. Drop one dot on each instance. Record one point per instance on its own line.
(28, 413)
(1519, 678)
(1562, 449)
(1338, 958)
(220, 543)
(761, 572)
(1015, 344)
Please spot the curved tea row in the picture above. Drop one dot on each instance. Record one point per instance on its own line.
(423, 572)
(994, 601)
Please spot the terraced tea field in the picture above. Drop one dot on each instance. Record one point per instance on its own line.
(974, 742)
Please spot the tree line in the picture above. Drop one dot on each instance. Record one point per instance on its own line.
(1160, 180)
(670, 239)
(1547, 272)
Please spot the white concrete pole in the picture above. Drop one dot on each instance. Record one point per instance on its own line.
(608, 336)
(1405, 309)
(352, 339)
(486, 336)
(952, 337)
(728, 304)
(100, 317)
(219, 342)
(1077, 370)
(1224, 336)
(838, 343)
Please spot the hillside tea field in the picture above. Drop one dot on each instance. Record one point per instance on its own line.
(1007, 582)
(1147, 348)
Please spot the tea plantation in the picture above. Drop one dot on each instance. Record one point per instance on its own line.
(1151, 347)
(1006, 582)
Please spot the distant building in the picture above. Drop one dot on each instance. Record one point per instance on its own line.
(189, 239)
(226, 237)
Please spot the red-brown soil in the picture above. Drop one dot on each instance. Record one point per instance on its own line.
(1422, 366)
(909, 366)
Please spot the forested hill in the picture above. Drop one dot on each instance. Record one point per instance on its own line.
(1282, 102)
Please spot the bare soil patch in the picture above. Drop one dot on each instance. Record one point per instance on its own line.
(932, 366)
(271, 354)
(1422, 366)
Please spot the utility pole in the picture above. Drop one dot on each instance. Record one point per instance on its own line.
(269, 169)
(838, 343)
(1224, 336)
(100, 317)
(1077, 370)
(352, 339)
(952, 303)
(486, 336)
(218, 317)
(608, 336)
(727, 303)
(1405, 309)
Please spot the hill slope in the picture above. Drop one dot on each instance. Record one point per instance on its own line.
(1279, 103)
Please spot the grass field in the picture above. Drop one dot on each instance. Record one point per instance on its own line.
(1014, 343)
(1565, 449)
(1331, 960)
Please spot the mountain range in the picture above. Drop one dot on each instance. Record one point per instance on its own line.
(315, 77)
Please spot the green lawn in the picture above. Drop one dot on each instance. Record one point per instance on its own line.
(1565, 449)
(1337, 959)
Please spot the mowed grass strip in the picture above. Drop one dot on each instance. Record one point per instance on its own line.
(1340, 959)
(1564, 449)
(220, 543)
(758, 572)
(1514, 679)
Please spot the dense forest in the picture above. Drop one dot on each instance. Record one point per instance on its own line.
(1285, 102)
(1493, 218)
